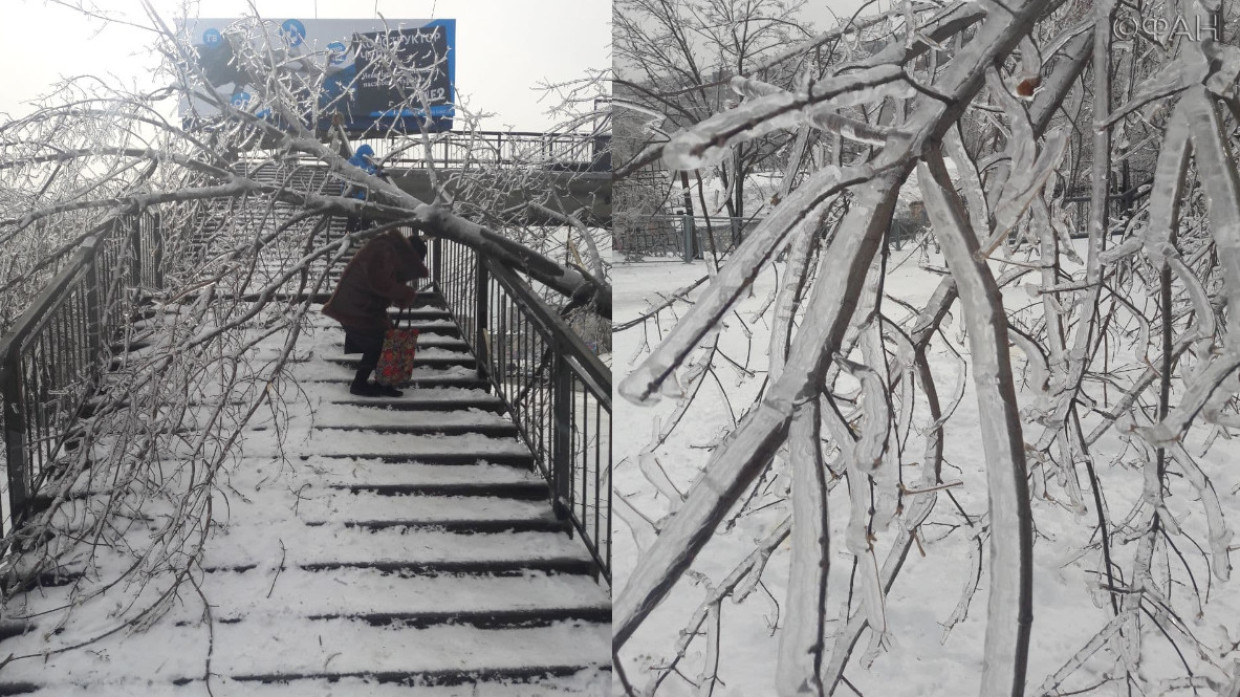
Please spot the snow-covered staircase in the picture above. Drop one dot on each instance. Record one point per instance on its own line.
(387, 546)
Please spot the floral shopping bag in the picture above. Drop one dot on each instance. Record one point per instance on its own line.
(396, 360)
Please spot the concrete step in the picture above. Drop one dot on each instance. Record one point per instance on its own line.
(464, 360)
(524, 491)
(412, 402)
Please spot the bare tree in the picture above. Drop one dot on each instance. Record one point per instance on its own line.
(676, 59)
(1124, 356)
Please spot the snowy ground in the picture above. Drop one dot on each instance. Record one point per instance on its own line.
(922, 659)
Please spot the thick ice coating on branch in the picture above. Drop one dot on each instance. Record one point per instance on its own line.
(806, 204)
(768, 110)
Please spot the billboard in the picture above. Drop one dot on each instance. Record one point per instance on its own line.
(370, 74)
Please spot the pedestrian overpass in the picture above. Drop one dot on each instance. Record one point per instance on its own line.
(571, 172)
(456, 536)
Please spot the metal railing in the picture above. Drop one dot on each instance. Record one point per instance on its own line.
(52, 358)
(556, 390)
(1122, 202)
(682, 237)
(568, 151)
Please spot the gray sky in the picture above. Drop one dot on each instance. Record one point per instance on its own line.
(505, 47)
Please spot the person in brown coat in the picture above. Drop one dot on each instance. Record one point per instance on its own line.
(376, 278)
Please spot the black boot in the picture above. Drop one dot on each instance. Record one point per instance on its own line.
(389, 391)
(361, 384)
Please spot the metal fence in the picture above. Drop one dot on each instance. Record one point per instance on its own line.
(686, 238)
(556, 390)
(680, 237)
(568, 151)
(1121, 204)
(52, 358)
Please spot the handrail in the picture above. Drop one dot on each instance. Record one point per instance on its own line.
(583, 151)
(591, 367)
(53, 356)
(588, 151)
(557, 392)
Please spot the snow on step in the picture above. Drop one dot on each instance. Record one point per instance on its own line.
(342, 505)
(329, 395)
(412, 397)
(351, 647)
(302, 647)
(327, 408)
(329, 402)
(323, 371)
(362, 443)
(586, 682)
(354, 592)
(429, 345)
(429, 394)
(437, 352)
(331, 416)
(338, 545)
(329, 471)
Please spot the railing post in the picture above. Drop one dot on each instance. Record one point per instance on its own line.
(157, 254)
(14, 435)
(135, 248)
(482, 311)
(686, 222)
(562, 455)
(94, 306)
(437, 264)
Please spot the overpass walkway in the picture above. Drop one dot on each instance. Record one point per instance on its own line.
(452, 541)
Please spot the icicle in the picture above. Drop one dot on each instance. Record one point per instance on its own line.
(874, 601)
(1122, 251)
(710, 668)
(831, 122)
(886, 494)
(786, 299)
(969, 180)
(857, 535)
(869, 448)
(962, 383)
(1195, 397)
(1203, 311)
(966, 593)
(1217, 171)
(642, 528)
(749, 88)
(887, 474)
(1024, 187)
(1220, 535)
(800, 645)
(1096, 643)
(1168, 188)
(1039, 375)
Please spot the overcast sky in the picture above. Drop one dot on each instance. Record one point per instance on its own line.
(505, 48)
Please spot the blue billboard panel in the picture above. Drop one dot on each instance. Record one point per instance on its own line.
(370, 75)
